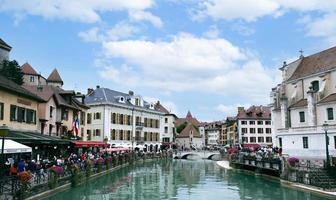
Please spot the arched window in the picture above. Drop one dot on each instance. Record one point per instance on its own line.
(315, 86)
(113, 135)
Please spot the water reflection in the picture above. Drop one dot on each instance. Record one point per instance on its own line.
(181, 179)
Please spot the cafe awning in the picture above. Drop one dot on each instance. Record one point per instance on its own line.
(89, 144)
(14, 147)
(251, 146)
(31, 138)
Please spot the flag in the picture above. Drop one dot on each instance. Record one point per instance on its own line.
(75, 127)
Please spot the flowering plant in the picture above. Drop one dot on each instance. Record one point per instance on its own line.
(292, 161)
(58, 170)
(24, 177)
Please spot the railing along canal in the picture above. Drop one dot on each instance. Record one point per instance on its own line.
(29, 184)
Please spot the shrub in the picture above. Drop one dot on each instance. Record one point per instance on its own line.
(53, 179)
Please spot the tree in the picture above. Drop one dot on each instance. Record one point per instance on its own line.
(12, 71)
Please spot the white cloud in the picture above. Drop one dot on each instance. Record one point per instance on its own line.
(140, 15)
(87, 11)
(121, 30)
(230, 110)
(324, 27)
(190, 63)
(213, 32)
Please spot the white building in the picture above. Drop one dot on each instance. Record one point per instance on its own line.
(123, 119)
(212, 132)
(167, 125)
(254, 125)
(303, 102)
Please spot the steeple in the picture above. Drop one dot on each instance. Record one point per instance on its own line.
(55, 79)
(28, 69)
(189, 116)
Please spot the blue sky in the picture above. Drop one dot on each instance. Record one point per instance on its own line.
(206, 56)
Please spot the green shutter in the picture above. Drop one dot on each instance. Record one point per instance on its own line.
(13, 115)
(1, 111)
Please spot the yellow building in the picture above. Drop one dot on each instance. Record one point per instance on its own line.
(18, 106)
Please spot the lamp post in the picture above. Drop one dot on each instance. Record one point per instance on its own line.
(3, 133)
(325, 127)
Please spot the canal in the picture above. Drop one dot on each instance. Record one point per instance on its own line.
(181, 179)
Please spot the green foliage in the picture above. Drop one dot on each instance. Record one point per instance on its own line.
(181, 127)
(12, 71)
(88, 168)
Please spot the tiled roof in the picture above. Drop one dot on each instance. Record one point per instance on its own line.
(189, 119)
(185, 133)
(28, 69)
(255, 112)
(12, 87)
(55, 77)
(316, 63)
(161, 108)
(329, 98)
(300, 103)
(4, 45)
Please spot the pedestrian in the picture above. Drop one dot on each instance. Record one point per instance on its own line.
(21, 167)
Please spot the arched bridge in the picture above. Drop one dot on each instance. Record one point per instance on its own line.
(201, 154)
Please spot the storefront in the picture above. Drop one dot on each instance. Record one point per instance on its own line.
(85, 146)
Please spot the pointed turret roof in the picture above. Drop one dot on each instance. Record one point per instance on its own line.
(4, 45)
(28, 69)
(55, 77)
(189, 116)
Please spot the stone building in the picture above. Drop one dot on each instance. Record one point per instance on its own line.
(303, 102)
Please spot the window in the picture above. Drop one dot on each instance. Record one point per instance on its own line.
(31, 116)
(245, 139)
(13, 113)
(1, 111)
(252, 139)
(243, 122)
(96, 132)
(165, 129)
(65, 114)
(51, 111)
(145, 136)
(302, 116)
(260, 130)
(280, 142)
(166, 120)
(260, 139)
(97, 115)
(128, 120)
(315, 86)
(88, 134)
(138, 121)
(89, 118)
(269, 140)
(260, 122)
(146, 122)
(330, 113)
(121, 134)
(268, 130)
(114, 118)
(267, 122)
(32, 79)
(252, 130)
(244, 130)
(128, 135)
(157, 125)
(165, 140)
(82, 118)
(21, 114)
(113, 134)
(137, 136)
(121, 119)
(252, 122)
(305, 142)
(335, 141)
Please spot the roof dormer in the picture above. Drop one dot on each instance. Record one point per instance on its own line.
(121, 99)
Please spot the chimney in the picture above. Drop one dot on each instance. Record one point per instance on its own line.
(131, 93)
(240, 109)
(89, 91)
(158, 102)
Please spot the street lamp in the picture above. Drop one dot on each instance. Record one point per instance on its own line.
(325, 127)
(3, 133)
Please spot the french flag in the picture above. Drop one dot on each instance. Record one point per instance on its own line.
(75, 127)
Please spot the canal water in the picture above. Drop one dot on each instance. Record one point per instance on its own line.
(181, 179)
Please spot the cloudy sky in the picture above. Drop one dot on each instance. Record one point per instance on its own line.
(206, 56)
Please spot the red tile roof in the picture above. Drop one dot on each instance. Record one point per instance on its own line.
(255, 112)
(188, 130)
(189, 119)
(28, 69)
(316, 63)
(55, 77)
(161, 108)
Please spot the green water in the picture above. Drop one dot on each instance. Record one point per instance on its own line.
(181, 179)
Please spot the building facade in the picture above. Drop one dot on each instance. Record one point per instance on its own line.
(213, 131)
(254, 125)
(123, 119)
(303, 102)
(190, 133)
(168, 129)
(229, 134)
(4, 50)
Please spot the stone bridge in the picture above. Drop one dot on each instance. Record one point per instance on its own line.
(201, 154)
